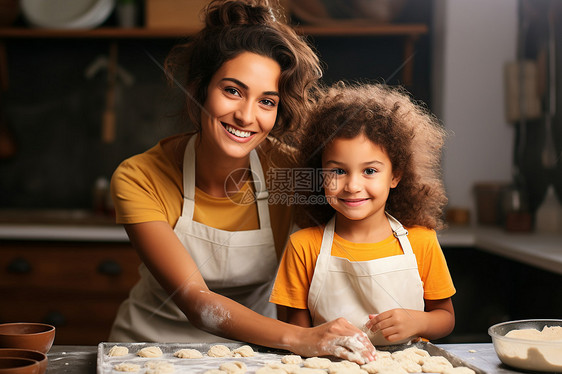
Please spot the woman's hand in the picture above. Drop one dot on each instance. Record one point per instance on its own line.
(336, 338)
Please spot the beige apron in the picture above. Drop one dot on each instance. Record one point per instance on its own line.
(353, 290)
(240, 265)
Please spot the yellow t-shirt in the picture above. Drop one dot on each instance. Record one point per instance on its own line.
(297, 265)
(149, 187)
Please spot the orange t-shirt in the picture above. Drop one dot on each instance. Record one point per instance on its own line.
(149, 187)
(297, 265)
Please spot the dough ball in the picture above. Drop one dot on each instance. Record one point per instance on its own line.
(233, 367)
(435, 364)
(270, 370)
(344, 367)
(291, 359)
(383, 354)
(379, 364)
(116, 351)
(410, 366)
(309, 371)
(317, 363)
(188, 353)
(334, 366)
(125, 366)
(412, 354)
(159, 367)
(219, 350)
(150, 352)
(459, 370)
(244, 351)
(287, 368)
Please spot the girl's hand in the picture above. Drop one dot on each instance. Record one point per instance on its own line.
(336, 338)
(397, 324)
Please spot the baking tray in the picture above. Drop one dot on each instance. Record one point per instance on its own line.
(263, 355)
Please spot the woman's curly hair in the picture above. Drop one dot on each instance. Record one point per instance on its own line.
(410, 135)
(236, 26)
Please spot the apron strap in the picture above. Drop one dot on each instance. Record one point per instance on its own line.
(260, 187)
(401, 234)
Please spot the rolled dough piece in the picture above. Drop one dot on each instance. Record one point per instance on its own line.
(287, 368)
(233, 367)
(159, 367)
(150, 352)
(219, 350)
(188, 353)
(244, 351)
(117, 350)
(435, 364)
(317, 363)
(291, 359)
(126, 366)
(270, 370)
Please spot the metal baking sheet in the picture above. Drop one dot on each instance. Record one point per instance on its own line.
(263, 355)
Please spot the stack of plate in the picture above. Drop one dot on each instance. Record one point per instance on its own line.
(67, 14)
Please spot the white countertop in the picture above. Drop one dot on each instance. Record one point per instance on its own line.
(540, 250)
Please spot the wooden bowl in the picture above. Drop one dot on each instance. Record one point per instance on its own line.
(27, 335)
(41, 358)
(12, 365)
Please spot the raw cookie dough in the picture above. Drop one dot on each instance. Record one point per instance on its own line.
(291, 359)
(270, 370)
(309, 371)
(317, 363)
(219, 350)
(287, 368)
(188, 353)
(116, 351)
(159, 367)
(435, 364)
(150, 352)
(345, 367)
(125, 366)
(215, 371)
(244, 351)
(547, 333)
(233, 367)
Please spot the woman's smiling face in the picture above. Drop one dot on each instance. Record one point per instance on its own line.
(241, 105)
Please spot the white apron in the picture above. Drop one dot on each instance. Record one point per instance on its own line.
(353, 290)
(240, 265)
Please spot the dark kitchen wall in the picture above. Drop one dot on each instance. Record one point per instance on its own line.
(54, 112)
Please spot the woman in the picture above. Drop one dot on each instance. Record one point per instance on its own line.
(209, 252)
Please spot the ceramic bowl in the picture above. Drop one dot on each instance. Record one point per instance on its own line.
(527, 354)
(41, 358)
(26, 335)
(13, 365)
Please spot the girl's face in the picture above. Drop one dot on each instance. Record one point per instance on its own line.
(241, 105)
(358, 178)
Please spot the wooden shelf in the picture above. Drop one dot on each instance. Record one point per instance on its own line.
(336, 29)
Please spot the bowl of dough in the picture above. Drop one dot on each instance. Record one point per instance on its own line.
(529, 344)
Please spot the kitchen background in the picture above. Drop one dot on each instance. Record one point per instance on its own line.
(52, 155)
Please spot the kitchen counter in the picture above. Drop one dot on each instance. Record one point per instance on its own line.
(82, 359)
(541, 250)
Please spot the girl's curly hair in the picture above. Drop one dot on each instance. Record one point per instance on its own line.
(410, 135)
(236, 26)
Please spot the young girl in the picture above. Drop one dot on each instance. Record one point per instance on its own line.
(379, 155)
(209, 254)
